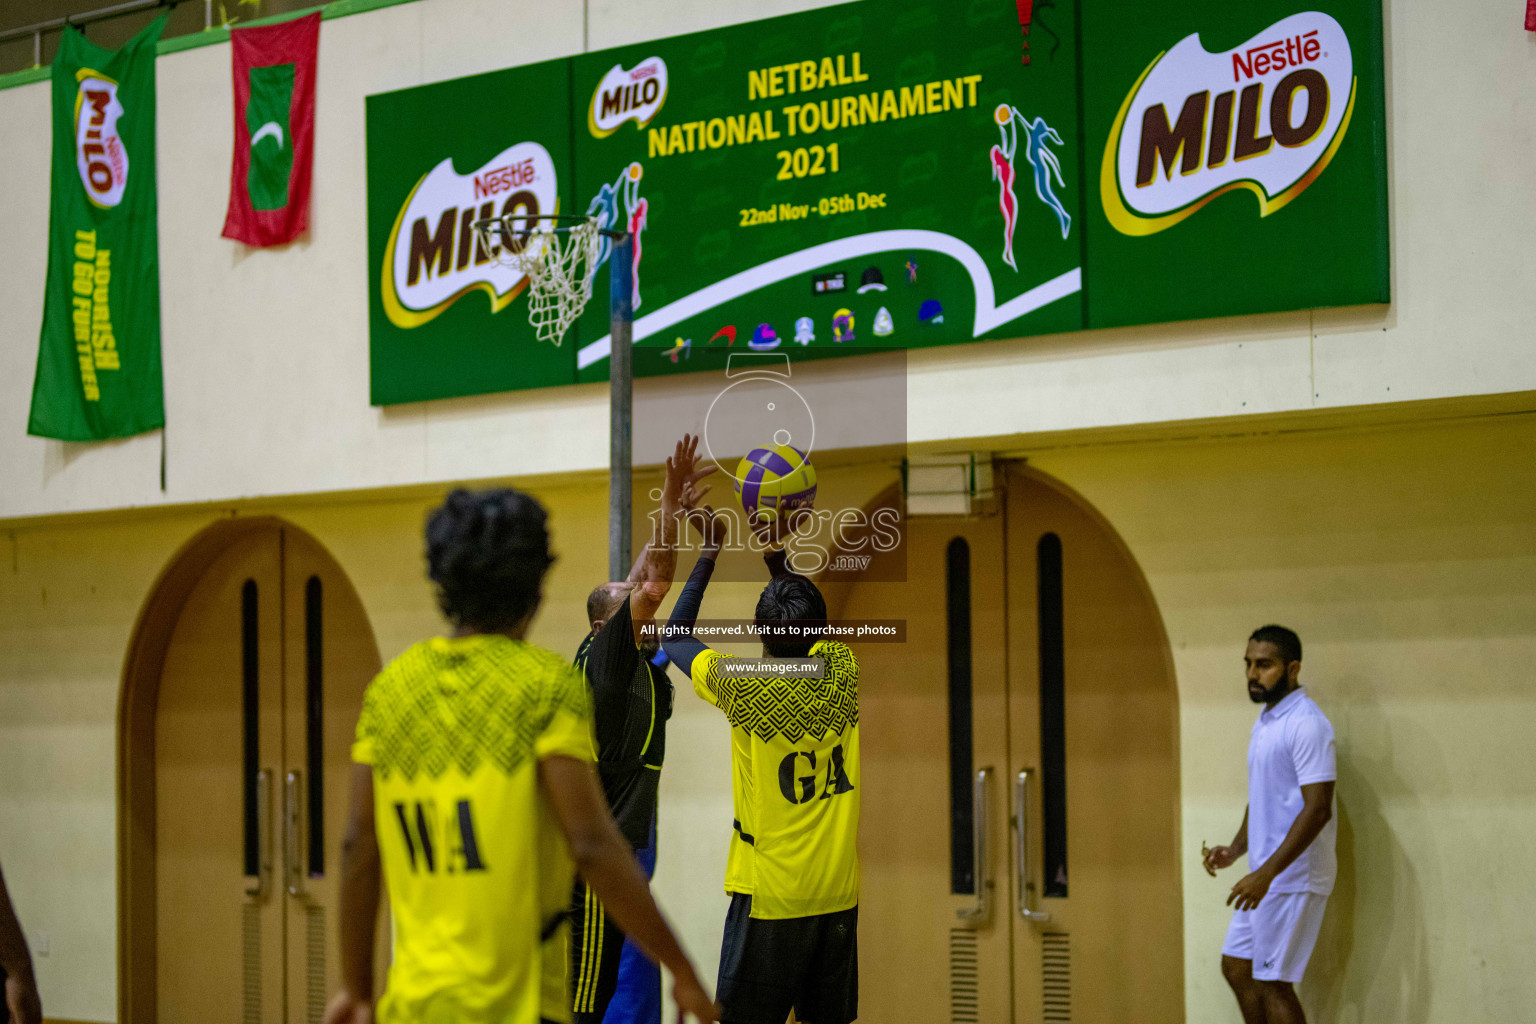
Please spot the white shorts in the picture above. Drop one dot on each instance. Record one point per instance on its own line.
(1277, 935)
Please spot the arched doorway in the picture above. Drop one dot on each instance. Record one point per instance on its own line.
(241, 694)
(1020, 765)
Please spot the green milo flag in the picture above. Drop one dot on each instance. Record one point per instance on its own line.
(98, 360)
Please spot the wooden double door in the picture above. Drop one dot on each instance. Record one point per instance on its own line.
(1020, 770)
(258, 700)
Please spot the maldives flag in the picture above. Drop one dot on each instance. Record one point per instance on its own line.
(274, 68)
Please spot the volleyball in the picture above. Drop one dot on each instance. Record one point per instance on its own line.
(773, 479)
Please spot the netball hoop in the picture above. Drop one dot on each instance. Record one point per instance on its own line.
(559, 254)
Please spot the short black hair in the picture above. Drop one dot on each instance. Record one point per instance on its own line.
(487, 551)
(597, 603)
(1286, 640)
(603, 605)
(792, 598)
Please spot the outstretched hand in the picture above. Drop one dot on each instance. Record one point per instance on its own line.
(713, 527)
(683, 479)
(771, 529)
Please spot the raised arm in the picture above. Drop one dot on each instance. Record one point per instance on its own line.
(609, 867)
(681, 646)
(777, 560)
(653, 570)
(774, 534)
(680, 643)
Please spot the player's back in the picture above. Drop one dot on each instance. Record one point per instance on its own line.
(795, 782)
(477, 872)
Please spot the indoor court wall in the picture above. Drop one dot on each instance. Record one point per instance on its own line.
(266, 352)
(71, 591)
(1403, 555)
(1406, 560)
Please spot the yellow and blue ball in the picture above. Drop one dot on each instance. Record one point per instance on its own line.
(774, 479)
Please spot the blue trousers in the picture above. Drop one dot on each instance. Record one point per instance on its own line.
(637, 1000)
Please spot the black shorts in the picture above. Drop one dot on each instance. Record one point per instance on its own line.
(810, 964)
(596, 945)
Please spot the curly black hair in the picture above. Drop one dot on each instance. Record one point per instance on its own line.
(487, 551)
(792, 598)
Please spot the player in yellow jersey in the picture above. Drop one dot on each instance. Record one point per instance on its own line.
(791, 935)
(474, 791)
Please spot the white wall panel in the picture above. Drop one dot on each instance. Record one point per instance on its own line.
(266, 352)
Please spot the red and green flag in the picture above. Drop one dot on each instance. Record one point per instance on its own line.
(98, 359)
(274, 70)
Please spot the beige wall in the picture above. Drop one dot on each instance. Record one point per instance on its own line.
(1404, 556)
(1406, 559)
(70, 592)
(266, 352)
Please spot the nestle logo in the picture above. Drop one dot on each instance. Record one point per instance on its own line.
(645, 71)
(1276, 56)
(505, 178)
(1187, 133)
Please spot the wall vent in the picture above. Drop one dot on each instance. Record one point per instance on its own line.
(314, 955)
(1056, 979)
(963, 977)
(250, 963)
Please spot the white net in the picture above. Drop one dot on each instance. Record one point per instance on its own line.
(559, 265)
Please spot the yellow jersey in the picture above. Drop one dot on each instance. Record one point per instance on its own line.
(478, 874)
(794, 782)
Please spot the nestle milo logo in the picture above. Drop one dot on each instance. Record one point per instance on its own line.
(627, 95)
(100, 156)
(434, 255)
(1266, 116)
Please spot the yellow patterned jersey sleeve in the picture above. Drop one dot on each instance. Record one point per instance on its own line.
(569, 728)
(705, 677)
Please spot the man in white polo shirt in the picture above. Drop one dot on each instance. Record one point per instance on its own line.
(1287, 832)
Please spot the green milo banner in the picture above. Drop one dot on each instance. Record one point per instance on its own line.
(98, 360)
(889, 173)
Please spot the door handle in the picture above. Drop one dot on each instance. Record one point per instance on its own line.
(258, 888)
(979, 914)
(293, 833)
(1021, 850)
